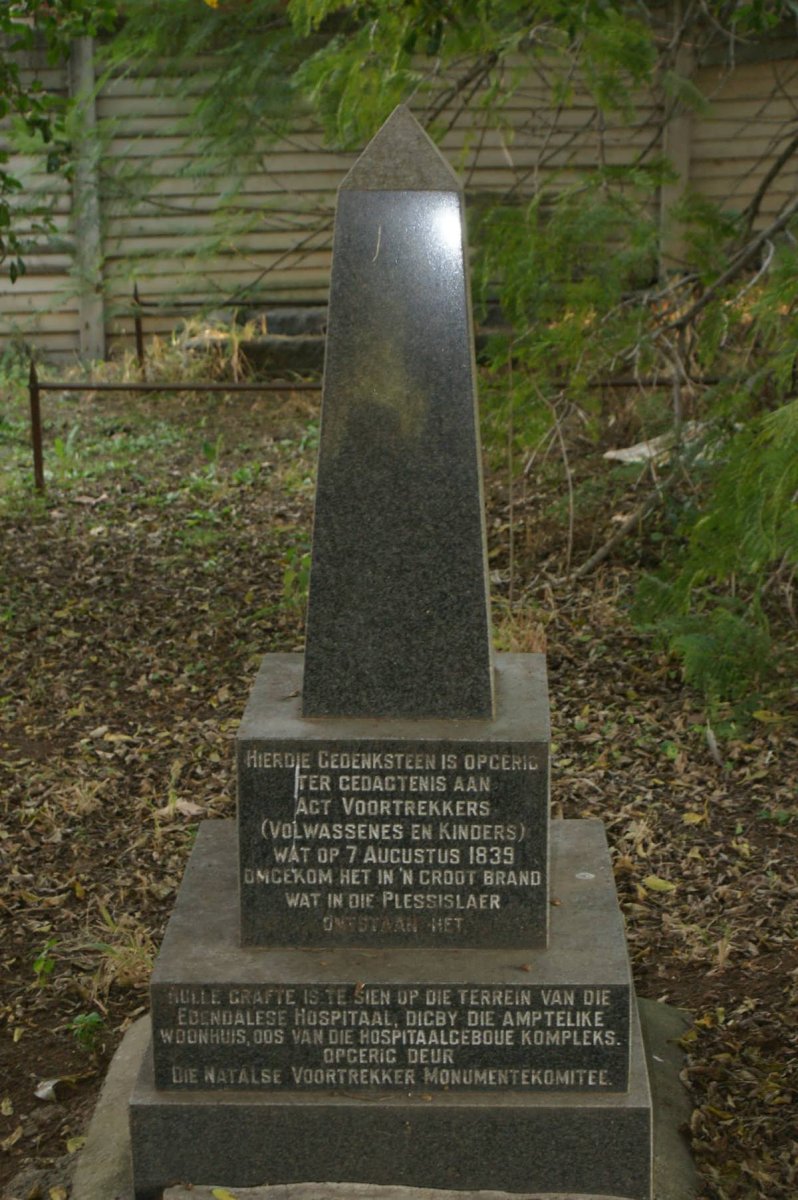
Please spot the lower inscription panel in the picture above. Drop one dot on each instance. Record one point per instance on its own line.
(393, 846)
(241, 1018)
(391, 1037)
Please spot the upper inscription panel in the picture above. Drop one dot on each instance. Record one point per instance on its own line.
(393, 843)
(398, 621)
(378, 832)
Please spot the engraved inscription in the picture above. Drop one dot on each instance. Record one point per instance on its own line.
(406, 841)
(406, 1037)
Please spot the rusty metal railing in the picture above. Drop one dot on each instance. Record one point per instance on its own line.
(36, 386)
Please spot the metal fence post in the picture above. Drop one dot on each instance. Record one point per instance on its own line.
(36, 428)
(138, 329)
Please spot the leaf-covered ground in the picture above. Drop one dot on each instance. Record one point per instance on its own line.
(136, 602)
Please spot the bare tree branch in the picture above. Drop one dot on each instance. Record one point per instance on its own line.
(736, 265)
(752, 210)
(631, 522)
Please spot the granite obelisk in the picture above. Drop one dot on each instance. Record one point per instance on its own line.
(398, 619)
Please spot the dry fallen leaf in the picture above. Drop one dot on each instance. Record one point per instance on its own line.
(186, 808)
(655, 884)
(90, 501)
(12, 1139)
(723, 950)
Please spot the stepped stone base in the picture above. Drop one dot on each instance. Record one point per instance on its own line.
(364, 1191)
(590, 1144)
(539, 1020)
(594, 1141)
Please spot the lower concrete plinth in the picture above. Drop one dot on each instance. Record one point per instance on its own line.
(595, 1145)
(104, 1165)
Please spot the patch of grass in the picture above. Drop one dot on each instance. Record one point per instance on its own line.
(106, 438)
(518, 629)
(44, 962)
(201, 538)
(296, 576)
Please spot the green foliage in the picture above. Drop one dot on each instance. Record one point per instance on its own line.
(27, 26)
(707, 604)
(751, 521)
(64, 448)
(564, 295)
(251, 52)
(296, 577)
(211, 452)
(724, 652)
(86, 1029)
(352, 62)
(379, 53)
(245, 475)
(14, 368)
(707, 230)
(44, 962)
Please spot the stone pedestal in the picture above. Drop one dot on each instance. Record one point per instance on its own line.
(392, 981)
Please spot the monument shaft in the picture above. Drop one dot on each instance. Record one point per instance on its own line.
(398, 619)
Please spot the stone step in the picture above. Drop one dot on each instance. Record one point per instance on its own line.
(103, 1166)
(361, 1191)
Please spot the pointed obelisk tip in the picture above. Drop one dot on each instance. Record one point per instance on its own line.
(401, 157)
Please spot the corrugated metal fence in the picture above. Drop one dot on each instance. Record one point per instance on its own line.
(187, 230)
